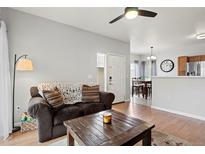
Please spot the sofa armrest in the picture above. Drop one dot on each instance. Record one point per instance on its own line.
(38, 105)
(107, 98)
(42, 112)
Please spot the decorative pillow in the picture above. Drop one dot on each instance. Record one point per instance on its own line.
(90, 93)
(72, 92)
(53, 97)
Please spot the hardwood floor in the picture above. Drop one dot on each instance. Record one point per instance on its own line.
(26, 139)
(192, 130)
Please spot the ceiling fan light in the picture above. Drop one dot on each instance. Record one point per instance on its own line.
(131, 14)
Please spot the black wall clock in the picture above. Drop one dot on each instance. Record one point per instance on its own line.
(167, 65)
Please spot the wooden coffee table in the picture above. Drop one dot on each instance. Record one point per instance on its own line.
(124, 130)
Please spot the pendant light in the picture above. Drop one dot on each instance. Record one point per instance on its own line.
(151, 57)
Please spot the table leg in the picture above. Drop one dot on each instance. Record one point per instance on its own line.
(147, 139)
(70, 139)
(132, 90)
(145, 90)
(146, 93)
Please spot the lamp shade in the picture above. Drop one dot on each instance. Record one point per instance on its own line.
(24, 65)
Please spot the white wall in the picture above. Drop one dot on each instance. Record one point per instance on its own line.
(58, 52)
(181, 95)
(1, 16)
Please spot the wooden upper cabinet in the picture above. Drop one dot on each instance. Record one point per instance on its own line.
(202, 58)
(194, 58)
(182, 62)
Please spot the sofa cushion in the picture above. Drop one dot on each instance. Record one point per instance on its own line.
(90, 107)
(66, 113)
(91, 93)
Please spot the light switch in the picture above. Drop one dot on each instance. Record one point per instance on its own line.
(90, 76)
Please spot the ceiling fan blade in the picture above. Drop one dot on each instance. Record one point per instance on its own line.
(116, 19)
(146, 13)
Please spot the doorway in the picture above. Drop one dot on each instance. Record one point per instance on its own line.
(111, 75)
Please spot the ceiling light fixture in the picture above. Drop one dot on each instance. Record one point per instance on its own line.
(200, 36)
(151, 57)
(131, 12)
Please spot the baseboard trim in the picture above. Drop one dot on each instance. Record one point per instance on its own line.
(179, 113)
(118, 103)
(127, 100)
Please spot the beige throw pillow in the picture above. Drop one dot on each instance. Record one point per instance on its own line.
(90, 93)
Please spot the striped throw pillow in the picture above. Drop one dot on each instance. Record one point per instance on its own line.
(90, 93)
(53, 97)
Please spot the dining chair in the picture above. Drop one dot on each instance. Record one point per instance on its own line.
(137, 87)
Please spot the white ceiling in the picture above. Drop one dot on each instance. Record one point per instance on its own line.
(171, 27)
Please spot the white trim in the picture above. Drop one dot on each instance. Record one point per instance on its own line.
(127, 100)
(115, 54)
(179, 113)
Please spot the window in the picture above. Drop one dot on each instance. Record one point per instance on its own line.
(135, 69)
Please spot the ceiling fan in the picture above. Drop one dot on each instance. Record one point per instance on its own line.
(133, 12)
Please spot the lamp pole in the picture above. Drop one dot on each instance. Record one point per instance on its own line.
(15, 128)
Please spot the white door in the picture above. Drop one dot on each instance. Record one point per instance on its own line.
(116, 77)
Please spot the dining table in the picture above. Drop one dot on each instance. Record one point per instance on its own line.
(145, 87)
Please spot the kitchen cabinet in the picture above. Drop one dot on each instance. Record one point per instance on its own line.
(202, 58)
(182, 61)
(100, 60)
(194, 58)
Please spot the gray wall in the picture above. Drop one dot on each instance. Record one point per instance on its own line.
(1, 16)
(58, 52)
(180, 95)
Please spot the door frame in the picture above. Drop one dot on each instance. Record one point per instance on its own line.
(106, 70)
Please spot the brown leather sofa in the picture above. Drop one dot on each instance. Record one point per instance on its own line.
(50, 121)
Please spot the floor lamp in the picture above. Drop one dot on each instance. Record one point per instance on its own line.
(22, 64)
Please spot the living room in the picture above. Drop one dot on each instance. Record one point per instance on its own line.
(91, 76)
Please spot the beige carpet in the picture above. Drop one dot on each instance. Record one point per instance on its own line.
(158, 139)
(162, 139)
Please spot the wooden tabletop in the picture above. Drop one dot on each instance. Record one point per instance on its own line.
(124, 130)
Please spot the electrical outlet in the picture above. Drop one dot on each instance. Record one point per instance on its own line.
(18, 108)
